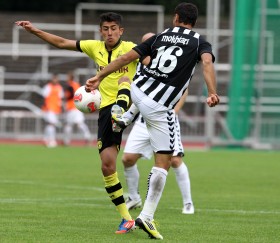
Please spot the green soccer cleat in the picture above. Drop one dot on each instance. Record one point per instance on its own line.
(149, 227)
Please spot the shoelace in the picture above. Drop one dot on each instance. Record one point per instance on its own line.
(188, 206)
(156, 223)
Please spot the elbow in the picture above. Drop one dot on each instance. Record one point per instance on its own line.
(61, 45)
(64, 44)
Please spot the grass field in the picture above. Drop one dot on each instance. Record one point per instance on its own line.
(57, 195)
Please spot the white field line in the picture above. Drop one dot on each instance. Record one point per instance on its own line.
(91, 202)
(52, 200)
(88, 201)
(60, 202)
(234, 211)
(71, 187)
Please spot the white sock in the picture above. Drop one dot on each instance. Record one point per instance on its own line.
(67, 134)
(50, 133)
(132, 180)
(131, 112)
(183, 180)
(84, 128)
(156, 183)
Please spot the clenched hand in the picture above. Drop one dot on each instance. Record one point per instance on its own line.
(213, 100)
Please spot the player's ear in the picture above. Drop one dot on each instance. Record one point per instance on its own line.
(175, 19)
(121, 30)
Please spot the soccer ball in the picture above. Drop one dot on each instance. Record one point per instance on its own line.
(87, 102)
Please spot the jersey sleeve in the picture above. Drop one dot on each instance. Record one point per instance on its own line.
(87, 46)
(144, 49)
(204, 47)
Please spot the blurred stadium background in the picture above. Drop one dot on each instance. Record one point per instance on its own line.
(244, 34)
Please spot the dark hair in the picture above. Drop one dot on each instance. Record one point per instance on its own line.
(111, 17)
(187, 13)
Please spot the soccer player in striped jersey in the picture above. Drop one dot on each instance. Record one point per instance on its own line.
(115, 89)
(157, 89)
(138, 146)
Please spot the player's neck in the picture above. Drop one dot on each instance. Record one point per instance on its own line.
(111, 47)
(188, 26)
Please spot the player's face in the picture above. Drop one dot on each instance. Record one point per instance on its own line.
(111, 33)
(55, 80)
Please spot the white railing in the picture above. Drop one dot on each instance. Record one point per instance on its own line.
(2, 78)
(159, 9)
(29, 125)
(21, 104)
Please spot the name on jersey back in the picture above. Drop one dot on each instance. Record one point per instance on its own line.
(175, 39)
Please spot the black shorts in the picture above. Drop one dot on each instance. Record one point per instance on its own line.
(106, 136)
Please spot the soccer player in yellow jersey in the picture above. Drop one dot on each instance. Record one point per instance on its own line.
(115, 89)
(156, 90)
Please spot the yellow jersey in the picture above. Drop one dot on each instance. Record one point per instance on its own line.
(97, 51)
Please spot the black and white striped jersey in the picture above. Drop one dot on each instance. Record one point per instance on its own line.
(174, 54)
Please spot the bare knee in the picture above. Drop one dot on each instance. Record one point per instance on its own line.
(130, 159)
(108, 158)
(176, 161)
(124, 79)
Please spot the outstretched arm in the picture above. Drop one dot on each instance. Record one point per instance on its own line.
(54, 40)
(210, 79)
(121, 61)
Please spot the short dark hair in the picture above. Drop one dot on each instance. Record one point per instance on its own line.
(111, 17)
(187, 13)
